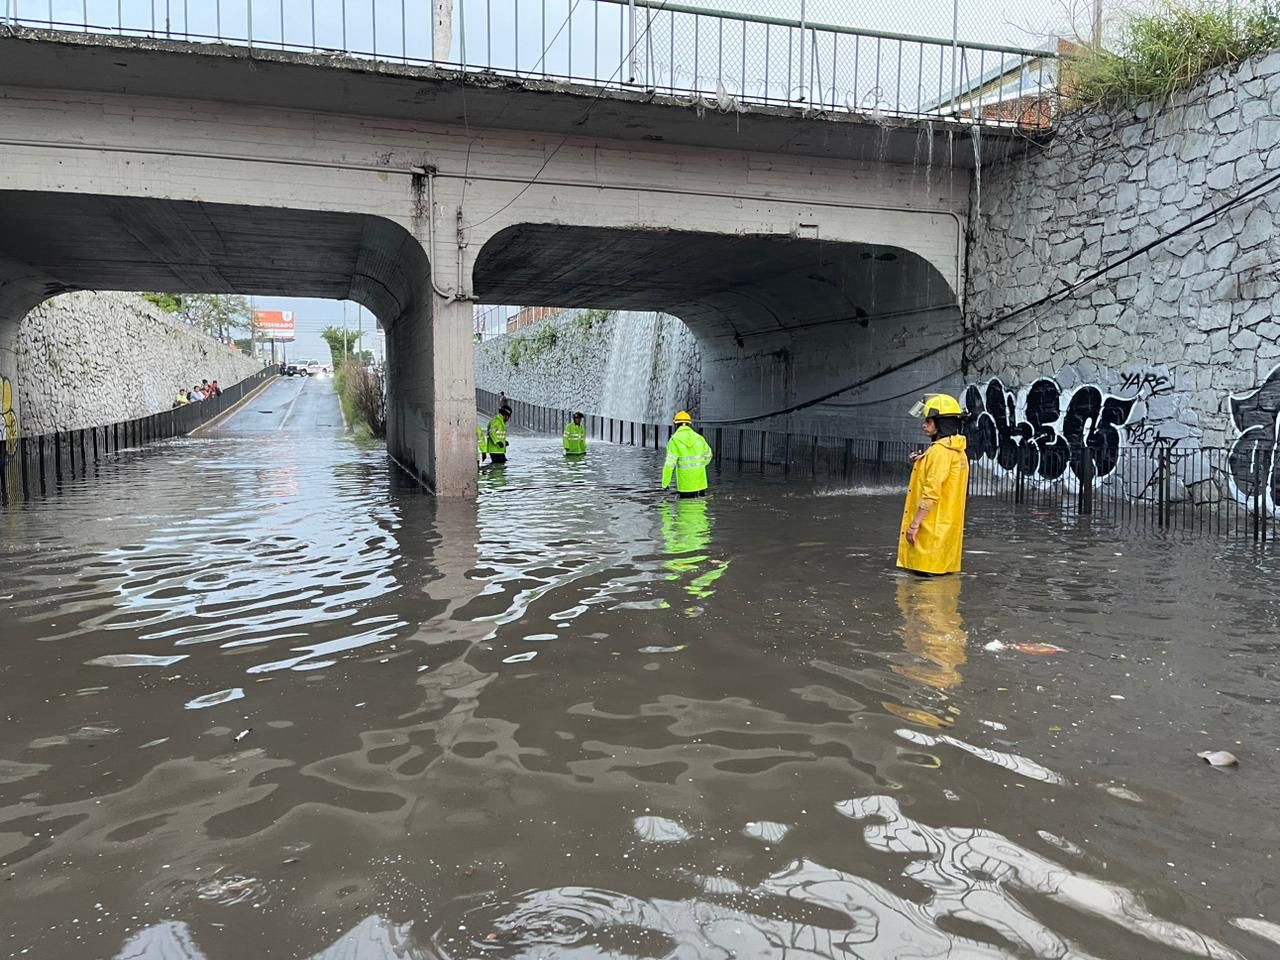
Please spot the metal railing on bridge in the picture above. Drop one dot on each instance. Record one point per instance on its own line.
(716, 59)
(35, 466)
(1194, 491)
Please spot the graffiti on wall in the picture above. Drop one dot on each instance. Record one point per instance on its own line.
(8, 418)
(1045, 431)
(1252, 458)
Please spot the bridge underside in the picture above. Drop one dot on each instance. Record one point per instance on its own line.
(64, 242)
(779, 319)
(53, 243)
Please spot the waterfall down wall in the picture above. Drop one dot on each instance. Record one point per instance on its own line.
(625, 364)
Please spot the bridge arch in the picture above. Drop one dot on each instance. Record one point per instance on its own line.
(779, 319)
(56, 242)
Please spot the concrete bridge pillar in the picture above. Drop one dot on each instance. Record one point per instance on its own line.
(431, 400)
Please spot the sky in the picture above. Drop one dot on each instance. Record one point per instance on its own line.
(313, 315)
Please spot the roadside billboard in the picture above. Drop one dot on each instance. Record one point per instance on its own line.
(274, 325)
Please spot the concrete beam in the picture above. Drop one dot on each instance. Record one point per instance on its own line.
(333, 83)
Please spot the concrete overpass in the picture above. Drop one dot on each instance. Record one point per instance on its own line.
(801, 249)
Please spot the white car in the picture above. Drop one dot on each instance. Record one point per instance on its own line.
(313, 368)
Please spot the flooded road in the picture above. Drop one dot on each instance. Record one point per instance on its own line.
(261, 698)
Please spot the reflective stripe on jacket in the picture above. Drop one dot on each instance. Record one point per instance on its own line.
(940, 477)
(575, 438)
(688, 456)
(496, 436)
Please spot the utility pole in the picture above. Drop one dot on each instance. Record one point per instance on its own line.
(360, 333)
(1097, 24)
(344, 331)
(442, 30)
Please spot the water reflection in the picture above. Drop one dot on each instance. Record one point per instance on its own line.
(932, 630)
(686, 539)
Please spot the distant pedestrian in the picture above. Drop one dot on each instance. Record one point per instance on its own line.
(194, 395)
(688, 456)
(496, 436)
(932, 535)
(214, 389)
(181, 399)
(502, 400)
(575, 436)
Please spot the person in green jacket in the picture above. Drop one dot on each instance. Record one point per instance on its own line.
(575, 437)
(496, 436)
(482, 448)
(688, 456)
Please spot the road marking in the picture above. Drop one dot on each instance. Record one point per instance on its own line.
(291, 403)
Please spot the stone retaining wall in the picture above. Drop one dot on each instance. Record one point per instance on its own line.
(633, 366)
(91, 358)
(1185, 327)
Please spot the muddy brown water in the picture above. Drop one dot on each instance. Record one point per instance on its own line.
(263, 699)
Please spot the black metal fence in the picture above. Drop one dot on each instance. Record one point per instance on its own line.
(1199, 491)
(35, 466)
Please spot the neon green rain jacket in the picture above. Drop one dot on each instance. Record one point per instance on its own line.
(496, 436)
(575, 438)
(688, 456)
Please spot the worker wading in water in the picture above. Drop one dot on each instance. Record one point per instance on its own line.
(688, 456)
(575, 437)
(933, 521)
(496, 437)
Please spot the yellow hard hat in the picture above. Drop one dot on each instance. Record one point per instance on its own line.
(937, 405)
(682, 417)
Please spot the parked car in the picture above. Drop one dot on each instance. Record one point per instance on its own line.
(313, 368)
(293, 370)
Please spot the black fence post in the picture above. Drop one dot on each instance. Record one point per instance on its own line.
(786, 454)
(813, 458)
(1084, 471)
(719, 440)
(879, 461)
(764, 442)
(24, 454)
(848, 460)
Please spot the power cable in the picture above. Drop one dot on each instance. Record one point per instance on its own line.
(565, 139)
(1051, 298)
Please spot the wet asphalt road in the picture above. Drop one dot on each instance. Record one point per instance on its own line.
(296, 405)
(262, 698)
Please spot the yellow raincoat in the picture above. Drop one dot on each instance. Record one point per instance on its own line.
(940, 477)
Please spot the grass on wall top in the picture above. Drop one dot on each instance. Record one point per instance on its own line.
(1169, 48)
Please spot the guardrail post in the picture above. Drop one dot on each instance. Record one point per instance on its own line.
(879, 460)
(1084, 471)
(1166, 484)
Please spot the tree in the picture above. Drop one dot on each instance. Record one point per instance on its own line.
(219, 315)
(342, 342)
(168, 302)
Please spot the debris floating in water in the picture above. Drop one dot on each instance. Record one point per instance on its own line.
(521, 657)
(1038, 649)
(1218, 758)
(995, 646)
(213, 699)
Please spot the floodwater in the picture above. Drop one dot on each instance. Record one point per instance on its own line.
(261, 698)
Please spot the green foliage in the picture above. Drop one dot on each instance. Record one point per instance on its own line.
(536, 344)
(588, 320)
(359, 391)
(168, 302)
(1169, 49)
(342, 343)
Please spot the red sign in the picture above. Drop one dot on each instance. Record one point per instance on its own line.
(274, 324)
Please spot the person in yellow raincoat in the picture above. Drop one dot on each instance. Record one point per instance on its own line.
(932, 535)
